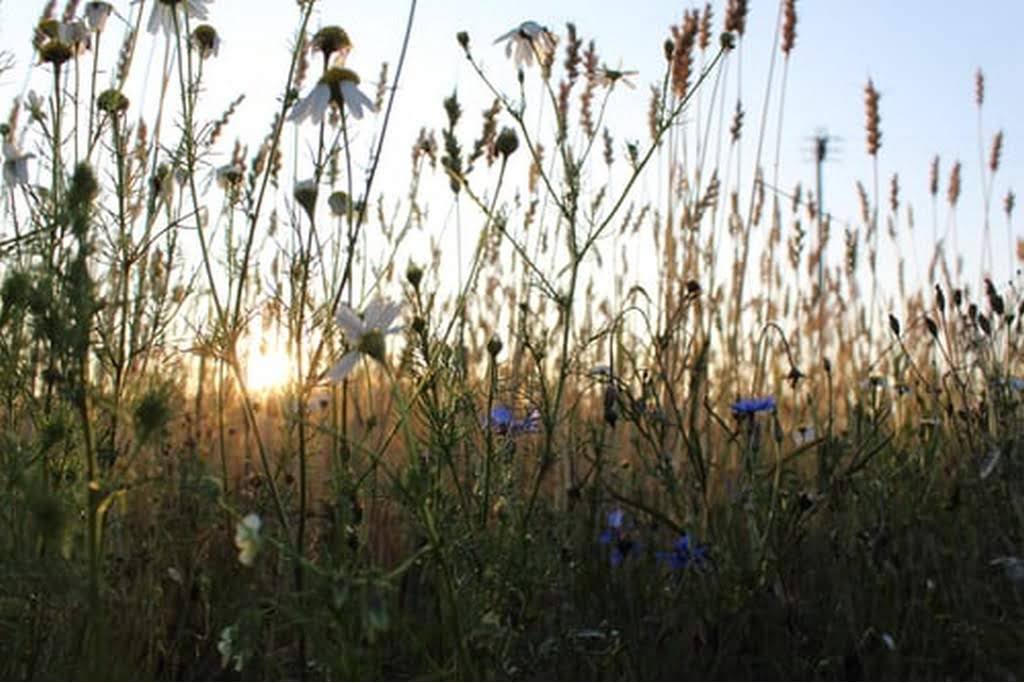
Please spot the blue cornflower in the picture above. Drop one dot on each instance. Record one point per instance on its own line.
(750, 406)
(615, 536)
(502, 421)
(683, 555)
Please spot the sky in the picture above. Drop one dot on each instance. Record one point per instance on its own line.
(920, 54)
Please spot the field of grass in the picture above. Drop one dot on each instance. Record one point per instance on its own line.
(642, 437)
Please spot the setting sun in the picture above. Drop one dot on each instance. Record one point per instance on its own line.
(268, 367)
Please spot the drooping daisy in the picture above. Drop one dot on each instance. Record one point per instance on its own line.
(338, 85)
(162, 16)
(230, 175)
(365, 334)
(96, 14)
(76, 35)
(526, 41)
(247, 538)
(332, 40)
(15, 165)
(206, 41)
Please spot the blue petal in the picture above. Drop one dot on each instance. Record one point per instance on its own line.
(749, 406)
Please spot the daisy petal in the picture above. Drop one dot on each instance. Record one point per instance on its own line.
(350, 323)
(344, 367)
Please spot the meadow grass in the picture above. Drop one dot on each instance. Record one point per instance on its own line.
(632, 437)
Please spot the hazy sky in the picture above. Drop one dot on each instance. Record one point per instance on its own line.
(922, 56)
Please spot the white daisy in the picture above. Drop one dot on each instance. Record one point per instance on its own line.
(230, 175)
(206, 41)
(608, 77)
(1013, 566)
(337, 85)
(75, 34)
(247, 538)
(162, 15)
(15, 165)
(804, 435)
(365, 334)
(96, 14)
(528, 40)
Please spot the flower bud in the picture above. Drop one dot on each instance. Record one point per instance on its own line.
(112, 102)
(494, 346)
(331, 39)
(414, 275)
(305, 194)
(507, 142)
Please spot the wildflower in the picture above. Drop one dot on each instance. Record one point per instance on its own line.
(230, 175)
(338, 203)
(616, 536)
(414, 276)
(75, 35)
(507, 142)
(55, 51)
(338, 85)
(750, 406)
(988, 463)
(682, 555)
(502, 421)
(15, 165)
(229, 649)
(1017, 384)
(494, 346)
(163, 17)
(305, 194)
(607, 77)
(35, 106)
(206, 41)
(527, 40)
(112, 101)
(247, 538)
(804, 435)
(365, 334)
(331, 39)
(96, 14)
(1013, 567)
(874, 383)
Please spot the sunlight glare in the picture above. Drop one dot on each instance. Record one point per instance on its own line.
(268, 367)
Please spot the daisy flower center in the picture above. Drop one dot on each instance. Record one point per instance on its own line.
(371, 343)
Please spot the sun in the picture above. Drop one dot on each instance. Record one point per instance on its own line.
(268, 367)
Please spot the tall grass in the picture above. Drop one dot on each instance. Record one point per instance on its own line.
(644, 436)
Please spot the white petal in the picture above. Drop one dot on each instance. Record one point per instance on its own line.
(314, 105)
(350, 323)
(355, 99)
(387, 316)
(344, 367)
(155, 18)
(507, 35)
(531, 29)
(197, 8)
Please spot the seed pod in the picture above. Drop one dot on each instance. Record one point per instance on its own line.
(932, 327)
(894, 325)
